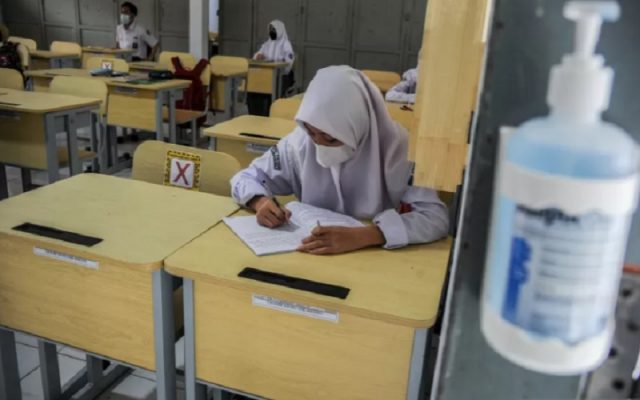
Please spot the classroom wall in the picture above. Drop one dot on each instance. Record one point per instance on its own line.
(368, 34)
(93, 22)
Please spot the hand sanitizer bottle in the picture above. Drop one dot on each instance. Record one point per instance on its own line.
(566, 191)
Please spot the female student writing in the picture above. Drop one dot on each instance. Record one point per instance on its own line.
(346, 155)
(276, 48)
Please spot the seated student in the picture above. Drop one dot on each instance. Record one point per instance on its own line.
(276, 48)
(405, 90)
(131, 35)
(346, 155)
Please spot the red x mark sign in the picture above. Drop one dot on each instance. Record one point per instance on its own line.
(182, 170)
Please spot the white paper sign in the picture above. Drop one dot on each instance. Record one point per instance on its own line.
(182, 173)
(56, 255)
(295, 308)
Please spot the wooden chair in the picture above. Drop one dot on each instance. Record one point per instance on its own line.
(30, 44)
(286, 108)
(216, 169)
(384, 80)
(117, 64)
(95, 89)
(222, 65)
(66, 47)
(11, 79)
(25, 56)
(190, 117)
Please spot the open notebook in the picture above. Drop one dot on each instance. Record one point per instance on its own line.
(304, 218)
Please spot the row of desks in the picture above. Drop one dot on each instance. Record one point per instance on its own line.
(43, 59)
(112, 295)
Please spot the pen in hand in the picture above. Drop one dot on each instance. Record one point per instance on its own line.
(286, 216)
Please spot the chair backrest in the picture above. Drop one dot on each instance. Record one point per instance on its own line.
(81, 87)
(30, 44)
(215, 168)
(187, 61)
(117, 64)
(25, 57)
(285, 108)
(228, 63)
(11, 79)
(66, 47)
(382, 79)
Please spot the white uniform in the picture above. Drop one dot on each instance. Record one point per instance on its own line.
(405, 90)
(137, 38)
(279, 49)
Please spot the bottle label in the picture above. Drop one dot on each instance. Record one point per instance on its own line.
(565, 258)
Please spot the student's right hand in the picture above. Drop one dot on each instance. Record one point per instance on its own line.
(268, 213)
(260, 57)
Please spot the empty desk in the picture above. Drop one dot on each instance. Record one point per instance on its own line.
(225, 83)
(105, 52)
(266, 77)
(88, 272)
(44, 59)
(248, 136)
(29, 123)
(254, 335)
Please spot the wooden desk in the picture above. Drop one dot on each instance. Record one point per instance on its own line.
(112, 299)
(228, 138)
(44, 59)
(266, 77)
(225, 83)
(282, 343)
(29, 123)
(144, 66)
(401, 113)
(105, 52)
(136, 106)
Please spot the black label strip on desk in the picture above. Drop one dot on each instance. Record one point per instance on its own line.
(258, 136)
(54, 233)
(292, 282)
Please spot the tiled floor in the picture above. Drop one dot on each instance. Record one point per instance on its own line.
(139, 385)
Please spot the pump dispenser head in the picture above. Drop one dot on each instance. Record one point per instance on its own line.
(580, 87)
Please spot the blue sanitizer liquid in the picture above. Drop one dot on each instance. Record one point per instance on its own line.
(553, 275)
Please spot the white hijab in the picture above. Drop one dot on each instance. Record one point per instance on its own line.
(279, 49)
(345, 104)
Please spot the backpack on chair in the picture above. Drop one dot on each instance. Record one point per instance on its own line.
(9, 56)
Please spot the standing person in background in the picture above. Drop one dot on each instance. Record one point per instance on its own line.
(276, 48)
(131, 35)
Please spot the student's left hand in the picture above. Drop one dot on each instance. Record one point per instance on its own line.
(339, 239)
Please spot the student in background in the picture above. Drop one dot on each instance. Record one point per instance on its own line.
(346, 155)
(405, 90)
(276, 48)
(131, 35)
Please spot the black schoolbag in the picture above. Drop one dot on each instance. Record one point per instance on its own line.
(9, 56)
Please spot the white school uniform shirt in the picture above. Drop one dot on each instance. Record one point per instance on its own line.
(372, 184)
(405, 90)
(137, 37)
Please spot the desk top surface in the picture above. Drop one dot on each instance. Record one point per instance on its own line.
(145, 65)
(38, 102)
(401, 286)
(111, 81)
(268, 64)
(273, 129)
(140, 223)
(106, 50)
(48, 54)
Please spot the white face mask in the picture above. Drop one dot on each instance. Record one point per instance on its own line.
(333, 156)
(125, 19)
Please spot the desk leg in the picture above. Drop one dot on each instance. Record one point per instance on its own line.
(172, 116)
(97, 143)
(228, 99)
(193, 390)
(9, 377)
(421, 341)
(53, 171)
(95, 379)
(72, 141)
(4, 185)
(275, 84)
(49, 370)
(164, 332)
(160, 96)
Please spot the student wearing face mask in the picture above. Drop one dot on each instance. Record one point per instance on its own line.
(346, 155)
(276, 48)
(131, 35)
